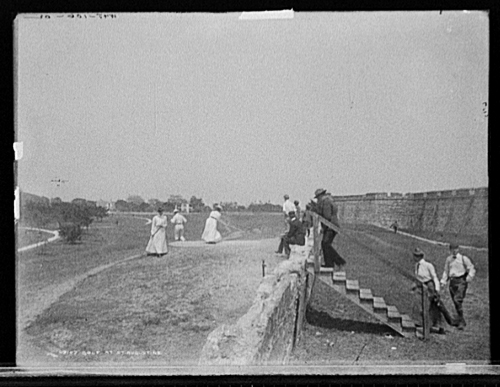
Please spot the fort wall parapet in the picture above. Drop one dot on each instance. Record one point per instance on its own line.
(451, 211)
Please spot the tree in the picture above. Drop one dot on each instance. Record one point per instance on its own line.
(196, 204)
(232, 206)
(154, 203)
(37, 214)
(135, 199)
(264, 207)
(122, 205)
(145, 207)
(100, 212)
(70, 232)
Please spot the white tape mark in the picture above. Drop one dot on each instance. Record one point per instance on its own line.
(18, 149)
(17, 214)
(284, 14)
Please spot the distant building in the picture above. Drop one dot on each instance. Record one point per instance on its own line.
(109, 205)
(185, 208)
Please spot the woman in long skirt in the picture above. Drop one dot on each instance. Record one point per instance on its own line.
(157, 244)
(210, 233)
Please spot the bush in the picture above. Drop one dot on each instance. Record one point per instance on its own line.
(70, 232)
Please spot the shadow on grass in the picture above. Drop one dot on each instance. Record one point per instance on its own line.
(324, 320)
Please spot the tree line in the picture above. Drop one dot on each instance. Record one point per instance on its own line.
(69, 218)
(135, 203)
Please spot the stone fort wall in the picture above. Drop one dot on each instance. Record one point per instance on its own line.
(463, 211)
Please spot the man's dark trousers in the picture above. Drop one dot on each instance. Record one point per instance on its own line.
(331, 256)
(436, 306)
(458, 288)
(286, 241)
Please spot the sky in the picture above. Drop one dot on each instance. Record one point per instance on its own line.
(160, 104)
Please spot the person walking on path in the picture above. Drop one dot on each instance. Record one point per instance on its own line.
(178, 220)
(327, 209)
(294, 236)
(157, 244)
(425, 274)
(459, 271)
(210, 234)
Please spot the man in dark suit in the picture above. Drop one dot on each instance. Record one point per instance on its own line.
(294, 236)
(326, 208)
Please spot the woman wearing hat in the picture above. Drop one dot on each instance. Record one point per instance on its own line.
(210, 233)
(157, 244)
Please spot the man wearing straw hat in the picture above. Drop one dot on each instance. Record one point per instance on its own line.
(459, 271)
(425, 274)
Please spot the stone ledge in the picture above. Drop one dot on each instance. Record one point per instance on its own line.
(267, 332)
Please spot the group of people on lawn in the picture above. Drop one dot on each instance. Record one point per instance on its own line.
(458, 270)
(158, 245)
(300, 226)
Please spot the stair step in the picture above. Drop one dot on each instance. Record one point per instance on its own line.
(407, 323)
(379, 305)
(366, 296)
(387, 314)
(339, 276)
(393, 314)
(326, 271)
(352, 286)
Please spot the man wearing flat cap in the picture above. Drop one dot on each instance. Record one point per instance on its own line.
(326, 208)
(459, 271)
(295, 236)
(426, 277)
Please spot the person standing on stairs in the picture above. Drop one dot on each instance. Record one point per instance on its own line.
(459, 270)
(425, 274)
(327, 209)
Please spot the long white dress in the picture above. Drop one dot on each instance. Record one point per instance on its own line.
(210, 233)
(158, 241)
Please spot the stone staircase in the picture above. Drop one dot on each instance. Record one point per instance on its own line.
(389, 315)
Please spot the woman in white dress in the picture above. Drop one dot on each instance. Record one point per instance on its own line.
(210, 233)
(157, 244)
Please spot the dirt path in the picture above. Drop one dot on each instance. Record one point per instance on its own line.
(170, 303)
(55, 236)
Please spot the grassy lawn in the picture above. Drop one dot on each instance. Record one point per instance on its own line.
(146, 309)
(160, 310)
